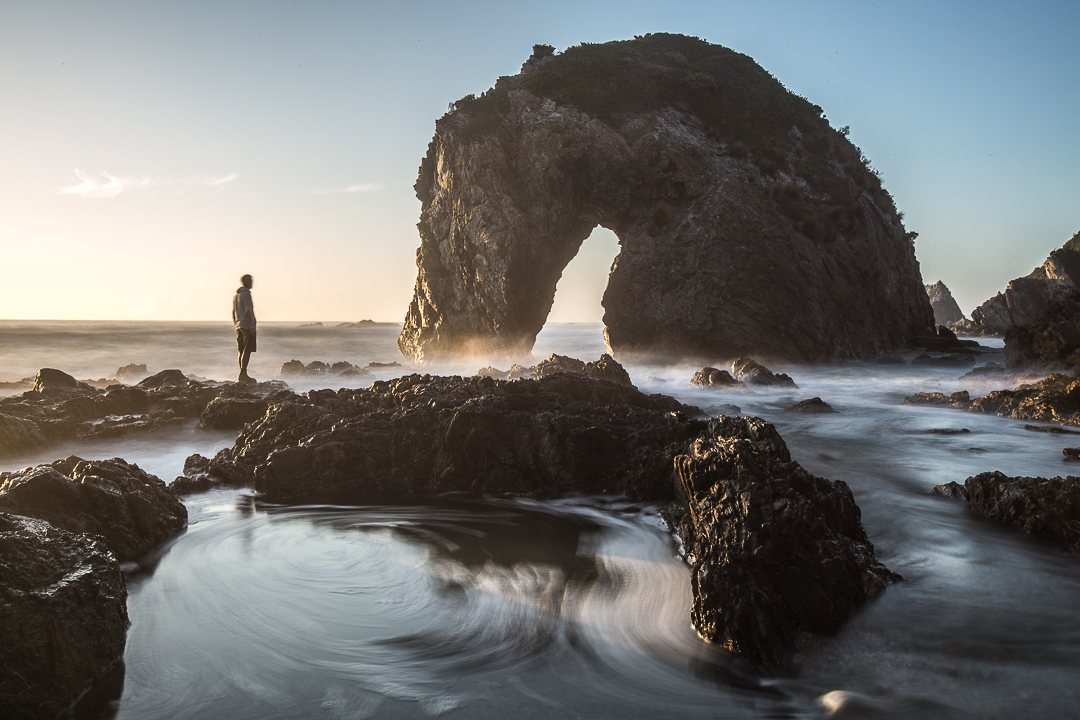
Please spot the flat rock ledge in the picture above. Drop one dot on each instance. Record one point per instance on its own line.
(63, 616)
(1045, 508)
(775, 550)
(61, 409)
(130, 509)
(1055, 399)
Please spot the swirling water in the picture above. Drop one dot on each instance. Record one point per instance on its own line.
(580, 607)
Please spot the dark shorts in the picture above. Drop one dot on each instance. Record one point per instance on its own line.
(245, 340)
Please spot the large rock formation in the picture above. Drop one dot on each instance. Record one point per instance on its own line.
(1054, 399)
(798, 558)
(946, 311)
(131, 510)
(1039, 314)
(774, 550)
(63, 616)
(747, 225)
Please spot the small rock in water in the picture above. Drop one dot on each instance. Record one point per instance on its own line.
(752, 372)
(1071, 453)
(714, 378)
(1045, 508)
(948, 431)
(1050, 429)
(812, 405)
(951, 489)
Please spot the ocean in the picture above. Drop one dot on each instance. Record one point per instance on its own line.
(578, 607)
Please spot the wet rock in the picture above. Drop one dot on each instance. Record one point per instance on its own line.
(812, 405)
(63, 615)
(1054, 399)
(711, 377)
(1050, 430)
(774, 551)
(1046, 508)
(557, 364)
(131, 510)
(752, 372)
(53, 382)
(237, 404)
(960, 399)
(948, 431)
(606, 368)
(165, 379)
(951, 489)
(291, 368)
(1071, 453)
(945, 308)
(722, 252)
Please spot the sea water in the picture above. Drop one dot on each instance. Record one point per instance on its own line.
(578, 607)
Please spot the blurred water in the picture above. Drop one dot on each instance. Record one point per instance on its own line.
(579, 608)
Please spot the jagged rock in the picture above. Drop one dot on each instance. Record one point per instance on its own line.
(422, 434)
(774, 551)
(971, 328)
(131, 373)
(945, 308)
(196, 463)
(1045, 508)
(493, 372)
(237, 404)
(132, 510)
(557, 364)
(63, 616)
(1054, 399)
(951, 489)
(812, 405)
(164, 379)
(606, 368)
(752, 372)
(1039, 315)
(960, 399)
(52, 382)
(517, 372)
(711, 377)
(752, 230)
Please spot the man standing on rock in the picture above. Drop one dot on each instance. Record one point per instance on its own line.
(243, 315)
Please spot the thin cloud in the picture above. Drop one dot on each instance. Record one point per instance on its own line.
(103, 186)
(359, 188)
(106, 185)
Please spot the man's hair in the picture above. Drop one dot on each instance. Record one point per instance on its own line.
(245, 280)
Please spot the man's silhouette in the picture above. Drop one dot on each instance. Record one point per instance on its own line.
(243, 315)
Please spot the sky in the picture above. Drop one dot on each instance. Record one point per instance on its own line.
(152, 152)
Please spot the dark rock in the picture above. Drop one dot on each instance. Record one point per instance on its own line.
(369, 324)
(945, 308)
(795, 553)
(1039, 315)
(950, 360)
(1050, 429)
(341, 366)
(948, 431)
(985, 372)
(291, 368)
(945, 340)
(62, 613)
(729, 409)
(970, 328)
(812, 405)
(493, 372)
(1071, 453)
(558, 364)
(752, 372)
(774, 551)
(606, 368)
(1045, 508)
(50, 381)
(187, 484)
(960, 399)
(237, 404)
(165, 379)
(133, 511)
(381, 365)
(1054, 399)
(951, 489)
(711, 377)
(195, 464)
(354, 372)
(721, 252)
(317, 367)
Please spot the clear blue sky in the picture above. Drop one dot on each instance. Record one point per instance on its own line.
(154, 151)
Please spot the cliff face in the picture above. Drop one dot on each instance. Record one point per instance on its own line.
(733, 240)
(946, 310)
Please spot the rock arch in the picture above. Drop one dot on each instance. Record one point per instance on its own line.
(718, 257)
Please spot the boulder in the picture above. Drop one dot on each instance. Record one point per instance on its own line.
(1072, 453)
(1054, 399)
(237, 404)
(746, 223)
(1046, 508)
(812, 405)
(960, 399)
(711, 377)
(945, 308)
(63, 616)
(774, 551)
(133, 511)
(752, 372)
(50, 381)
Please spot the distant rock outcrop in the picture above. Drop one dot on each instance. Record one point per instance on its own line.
(1039, 315)
(747, 224)
(946, 310)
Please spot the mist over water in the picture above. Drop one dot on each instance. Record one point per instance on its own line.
(575, 608)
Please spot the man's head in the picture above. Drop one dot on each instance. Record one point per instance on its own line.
(245, 280)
